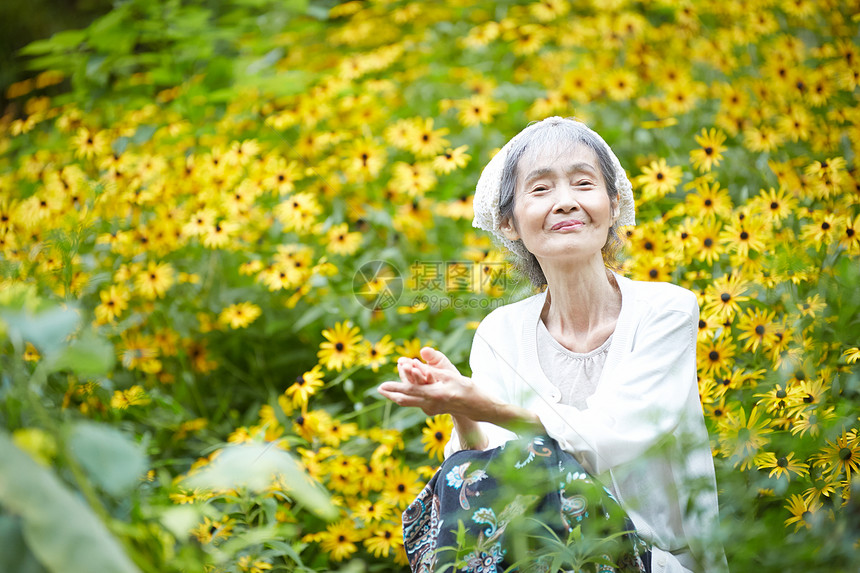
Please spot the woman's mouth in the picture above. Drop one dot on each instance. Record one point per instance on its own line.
(567, 225)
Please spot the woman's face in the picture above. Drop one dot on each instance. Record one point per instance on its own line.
(561, 208)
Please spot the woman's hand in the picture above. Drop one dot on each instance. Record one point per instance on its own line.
(437, 387)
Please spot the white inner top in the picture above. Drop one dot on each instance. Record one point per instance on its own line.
(575, 374)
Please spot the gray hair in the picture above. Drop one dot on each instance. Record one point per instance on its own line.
(557, 134)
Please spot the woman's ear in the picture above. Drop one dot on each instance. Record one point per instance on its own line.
(616, 210)
(508, 229)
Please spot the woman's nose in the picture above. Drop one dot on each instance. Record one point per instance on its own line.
(565, 199)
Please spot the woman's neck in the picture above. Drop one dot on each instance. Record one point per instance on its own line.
(582, 305)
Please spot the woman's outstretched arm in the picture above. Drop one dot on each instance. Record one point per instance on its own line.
(437, 387)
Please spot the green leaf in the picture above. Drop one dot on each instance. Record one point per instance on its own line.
(60, 529)
(88, 355)
(253, 466)
(180, 519)
(112, 460)
(47, 330)
(143, 134)
(59, 42)
(14, 553)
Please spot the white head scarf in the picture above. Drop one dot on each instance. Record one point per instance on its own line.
(486, 201)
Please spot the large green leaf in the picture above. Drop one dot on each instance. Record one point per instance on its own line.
(110, 458)
(87, 355)
(60, 529)
(14, 553)
(46, 330)
(253, 466)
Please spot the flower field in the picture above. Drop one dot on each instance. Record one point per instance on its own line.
(222, 222)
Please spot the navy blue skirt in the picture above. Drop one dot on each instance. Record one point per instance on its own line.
(525, 506)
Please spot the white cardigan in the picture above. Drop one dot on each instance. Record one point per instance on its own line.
(643, 433)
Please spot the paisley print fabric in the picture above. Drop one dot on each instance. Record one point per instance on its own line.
(527, 506)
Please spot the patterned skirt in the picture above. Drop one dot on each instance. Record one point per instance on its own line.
(527, 506)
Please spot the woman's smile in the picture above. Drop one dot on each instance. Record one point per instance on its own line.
(569, 225)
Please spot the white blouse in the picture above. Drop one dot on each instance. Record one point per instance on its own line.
(575, 374)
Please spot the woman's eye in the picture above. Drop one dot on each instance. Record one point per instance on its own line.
(583, 183)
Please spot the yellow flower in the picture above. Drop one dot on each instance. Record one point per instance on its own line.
(339, 350)
(248, 565)
(298, 212)
(338, 540)
(756, 328)
(213, 531)
(154, 281)
(451, 159)
(184, 496)
(401, 487)
(841, 456)
(383, 538)
(477, 110)
(706, 245)
(460, 208)
(30, 353)
(851, 355)
(305, 386)
(741, 437)
(801, 510)
(713, 356)
(90, 144)
(134, 396)
(436, 434)
(376, 354)
(658, 179)
(724, 295)
(41, 445)
(338, 432)
(425, 141)
(199, 222)
(710, 153)
(137, 351)
(621, 84)
(239, 315)
(114, 302)
(371, 511)
(784, 465)
(219, 234)
(710, 201)
(364, 160)
(412, 348)
(341, 241)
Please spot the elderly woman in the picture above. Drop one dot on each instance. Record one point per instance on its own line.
(594, 377)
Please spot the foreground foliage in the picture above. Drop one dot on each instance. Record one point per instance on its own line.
(195, 199)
